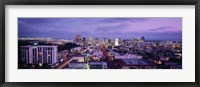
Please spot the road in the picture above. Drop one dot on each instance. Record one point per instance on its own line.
(65, 64)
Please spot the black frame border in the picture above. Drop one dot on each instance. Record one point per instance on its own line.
(98, 2)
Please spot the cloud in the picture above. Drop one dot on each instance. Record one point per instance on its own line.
(114, 20)
(165, 30)
(38, 20)
(160, 28)
(175, 32)
(110, 28)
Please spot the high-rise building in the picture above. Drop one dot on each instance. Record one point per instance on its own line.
(90, 40)
(39, 54)
(78, 39)
(84, 40)
(109, 41)
(96, 40)
(106, 40)
(116, 42)
(143, 38)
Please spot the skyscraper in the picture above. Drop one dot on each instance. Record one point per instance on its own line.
(84, 40)
(143, 38)
(96, 40)
(78, 39)
(90, 40)
(116, 42)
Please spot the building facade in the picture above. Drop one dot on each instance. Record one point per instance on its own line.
(39, 54)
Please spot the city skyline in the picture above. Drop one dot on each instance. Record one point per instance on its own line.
(126, 28)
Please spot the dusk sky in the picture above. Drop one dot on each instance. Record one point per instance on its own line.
(127, 28)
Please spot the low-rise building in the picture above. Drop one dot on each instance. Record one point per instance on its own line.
(136, 64)
(87, 65)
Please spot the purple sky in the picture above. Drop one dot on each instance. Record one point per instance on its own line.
(68, 28)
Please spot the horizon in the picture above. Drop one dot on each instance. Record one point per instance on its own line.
(126, 28)
(108, 38)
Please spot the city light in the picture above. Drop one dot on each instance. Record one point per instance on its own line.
(101, 43)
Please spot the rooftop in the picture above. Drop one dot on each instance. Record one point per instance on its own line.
(133, 62)
(39, 46)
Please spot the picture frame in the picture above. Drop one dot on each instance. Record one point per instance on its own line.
(98, 2)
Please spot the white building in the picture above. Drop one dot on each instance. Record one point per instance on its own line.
(79, 58)
(98, 65)
(39, 54)
(116, 42)
(78, 65)
(75, 64)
